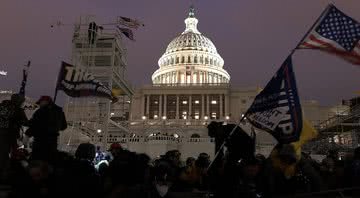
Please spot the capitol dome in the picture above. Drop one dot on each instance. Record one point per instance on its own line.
(191, 58)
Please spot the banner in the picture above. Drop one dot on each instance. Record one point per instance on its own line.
(77, 82)
(277, 109)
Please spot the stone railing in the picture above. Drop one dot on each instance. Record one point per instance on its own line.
(160, 139)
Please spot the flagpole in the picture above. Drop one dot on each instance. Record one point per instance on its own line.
(223, 144)
(312, 27)
(57, 81)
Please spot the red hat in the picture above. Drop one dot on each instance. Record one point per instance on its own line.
(114, 146)
(44, 98)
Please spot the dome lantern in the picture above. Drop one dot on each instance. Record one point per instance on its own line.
(191, 22)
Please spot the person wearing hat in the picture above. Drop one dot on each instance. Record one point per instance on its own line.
(44, 126)
(12, 118)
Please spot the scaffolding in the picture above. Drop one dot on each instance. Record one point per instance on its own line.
(101, 52)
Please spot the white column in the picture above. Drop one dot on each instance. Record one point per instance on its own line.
(190, 107)
(177, 106)
(191, 77)
(208, 105)
(142, 105)
(202, 106)
(226, 104)
(165, 104)
(147, 105)
(221, 106)
(160, 106)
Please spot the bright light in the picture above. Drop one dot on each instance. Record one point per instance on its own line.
(184, 102)
(156, 102)
(197, 117)
(184, 112)
(184, 117)
(164, 117)
(143, 117)
(176, 135)
(112, 114)
(3, 73)
(197, 102)
(206, 117)
(227, 117)
(213, 102)
(242, 115)
(156, 116)
(99, 131)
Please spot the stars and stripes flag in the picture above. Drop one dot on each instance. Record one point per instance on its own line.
(335, 33)
(128, 22)
(127, 32)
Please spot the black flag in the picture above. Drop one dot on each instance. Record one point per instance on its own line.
(277, 108)
(77, 82)
(24, 80)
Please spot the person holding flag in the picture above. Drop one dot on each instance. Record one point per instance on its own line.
(277, 110)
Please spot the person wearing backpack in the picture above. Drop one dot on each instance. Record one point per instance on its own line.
(12, 118)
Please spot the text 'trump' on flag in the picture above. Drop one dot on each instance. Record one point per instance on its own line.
(77, 82)
(335, 33)
(276, 109)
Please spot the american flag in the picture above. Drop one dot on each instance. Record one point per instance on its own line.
(335, 33)
(130, 23)
(127, 32)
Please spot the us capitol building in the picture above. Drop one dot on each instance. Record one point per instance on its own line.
(190, 89)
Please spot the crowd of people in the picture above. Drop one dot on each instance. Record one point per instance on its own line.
(90, 172)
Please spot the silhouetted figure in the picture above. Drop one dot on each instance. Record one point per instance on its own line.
(84, 176)
(93, 31)
(12, 117)
(44, 126)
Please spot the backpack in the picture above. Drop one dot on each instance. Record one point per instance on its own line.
(7, 111)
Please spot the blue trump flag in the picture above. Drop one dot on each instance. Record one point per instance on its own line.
(276, 109)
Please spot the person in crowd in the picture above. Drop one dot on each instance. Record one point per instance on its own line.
(162, 181)
(84, 175)
(121, 179)
(115, 150)
(328, 169)
(12, 118)
(44, 126)
(248, 182)
(189, 174)
(355, 169)
(285, 173)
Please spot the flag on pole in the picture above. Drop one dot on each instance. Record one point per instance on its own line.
(77, 82)
(335, 33)
(276, 109)
(127, 32)
(130, 23)
(24, 80)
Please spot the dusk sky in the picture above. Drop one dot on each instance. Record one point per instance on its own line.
(253, 36)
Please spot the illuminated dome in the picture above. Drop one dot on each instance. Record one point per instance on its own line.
(191, 58)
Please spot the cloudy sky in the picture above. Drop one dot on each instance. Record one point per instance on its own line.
(253, 37)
